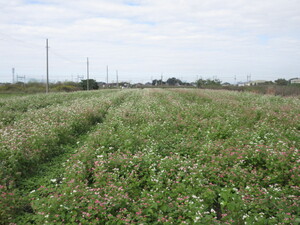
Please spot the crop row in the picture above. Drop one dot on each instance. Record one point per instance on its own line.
(14, 108)
(41, 135)
(182, 157)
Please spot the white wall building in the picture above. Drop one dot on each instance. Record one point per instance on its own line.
(295, 81)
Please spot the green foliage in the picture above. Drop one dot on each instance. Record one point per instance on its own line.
(174, 81)
(157, 82)
(36, 87)
(92, 84)
(65, 87)
(281, 81)
(208, 83)
(156, 156)
(282, 90)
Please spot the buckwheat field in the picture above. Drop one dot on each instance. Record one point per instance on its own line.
(150, 156)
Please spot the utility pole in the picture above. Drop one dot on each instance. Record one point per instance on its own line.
(21, 78)
(249, 77)
(107, 75)
(47, 66)
(161, 77)
(87, 74)
(79, 78)
(13, 75)
(235, 79)
(117, 78)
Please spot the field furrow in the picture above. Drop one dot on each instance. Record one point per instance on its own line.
(41, 136)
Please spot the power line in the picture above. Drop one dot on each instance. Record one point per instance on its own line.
(64, 57)
(21, 78)
(22, 42)
(37, 46)
(79, 78)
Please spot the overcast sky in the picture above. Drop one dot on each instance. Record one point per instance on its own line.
(143, 39)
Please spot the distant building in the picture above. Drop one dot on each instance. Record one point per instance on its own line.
(138, 85)
(125, 84)
(255, 82)
(194, 84)
(101, 84)
(295, 81)
(226, 84)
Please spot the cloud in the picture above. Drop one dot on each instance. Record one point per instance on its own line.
(148, 37)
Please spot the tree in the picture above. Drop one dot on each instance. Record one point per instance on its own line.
(157, 82)
(208, 82)
(214, 82)
(174, 81)
(92, 84)
(201, 83)
(154, 82)
(268, 83)
(281, 81)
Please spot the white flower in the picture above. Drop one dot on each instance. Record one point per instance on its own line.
(53, 180)
(245, 216)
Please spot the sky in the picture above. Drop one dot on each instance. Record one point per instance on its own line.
(149, 39)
